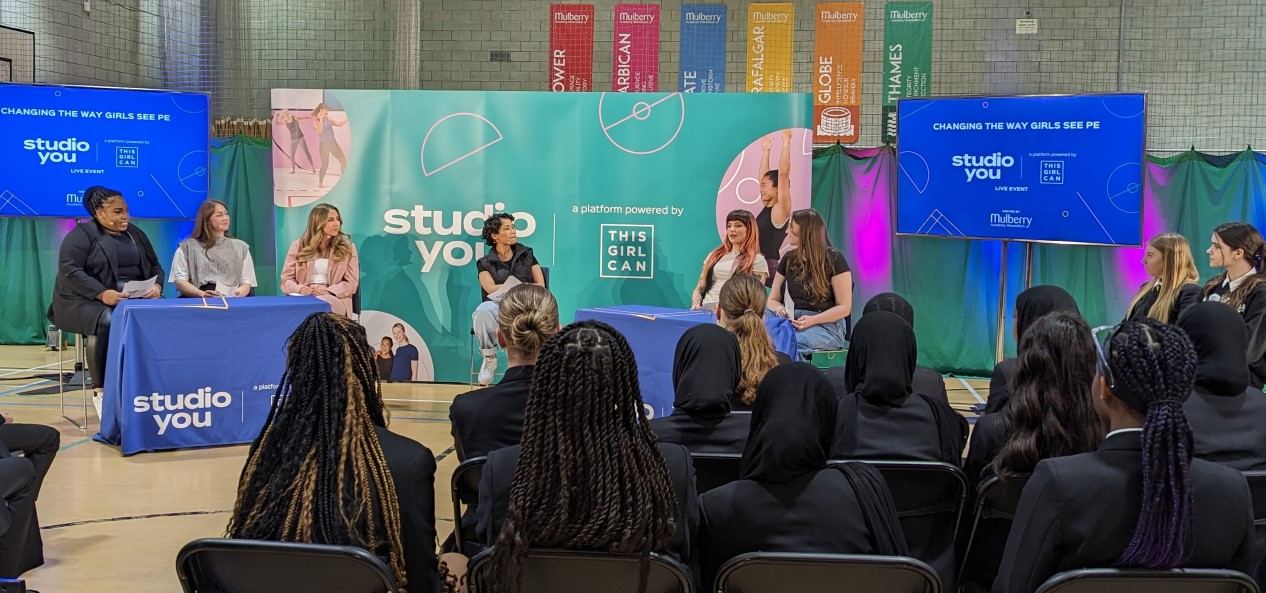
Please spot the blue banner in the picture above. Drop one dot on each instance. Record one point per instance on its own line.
(702, 49)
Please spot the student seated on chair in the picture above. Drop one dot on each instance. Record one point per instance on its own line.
(741, 309)
(881, 416)
(818, 280)
(1227, 415)
(21, 546)
(926, 381)
(1140, 500)
(506, 259)
(1030, 306)
(584, 426)
(326, 470)
(211, 257)
(323, 262)
(788, 499)
(706, 375)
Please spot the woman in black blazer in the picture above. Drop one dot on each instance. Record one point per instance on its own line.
(706, 374)
(926, 381)
(96, 259)
(1030, 306)
(788, 499)
(1140, 500)
(589, 474)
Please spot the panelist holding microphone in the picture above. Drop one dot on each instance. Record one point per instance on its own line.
(211, 257)
(507, 259)
(97, 258)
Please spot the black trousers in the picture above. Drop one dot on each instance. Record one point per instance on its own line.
(17, 486)
(39, 444)
(97, 348)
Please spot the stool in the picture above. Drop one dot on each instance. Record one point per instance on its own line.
(80, 374)
(825, 359)
(474, 374)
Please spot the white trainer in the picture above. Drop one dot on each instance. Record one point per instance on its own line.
(97, 398)
(486, 370)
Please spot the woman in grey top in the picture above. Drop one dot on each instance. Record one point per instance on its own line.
(328, 146)
(211, 257)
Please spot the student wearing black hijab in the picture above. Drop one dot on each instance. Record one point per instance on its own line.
(926, 381)
(1030, 306)
(788, 499)
(1226, 414)
(706, 374)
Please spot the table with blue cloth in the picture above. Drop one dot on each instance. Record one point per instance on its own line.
(653, 333)
(195, 373)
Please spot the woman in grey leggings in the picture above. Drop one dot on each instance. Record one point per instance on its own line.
(291, 122)
(329, 146)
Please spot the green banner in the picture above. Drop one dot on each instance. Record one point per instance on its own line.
(907, 57)
(620, 195)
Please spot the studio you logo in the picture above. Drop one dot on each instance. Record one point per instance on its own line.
(983, 167)
(56, 151)
(182, 410)
(628, 251)
(460, 250)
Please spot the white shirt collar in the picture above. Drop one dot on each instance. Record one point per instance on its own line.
(1234, 284)
(1122, 431)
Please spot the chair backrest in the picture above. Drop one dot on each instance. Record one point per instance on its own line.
(1182, 580)
(1257, 488)
(996, 500)
(715, 469)
(768, 572)
(465, 485)
(545, 276)
(929, 496)
(553, 571)
(250, 566)
(356, 301)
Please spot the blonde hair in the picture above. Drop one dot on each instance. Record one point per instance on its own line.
(310, 242)
(1180, 270)
(528, 317)
(743, 302)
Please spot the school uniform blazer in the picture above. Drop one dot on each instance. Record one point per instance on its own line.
(87, 265)
(705, 433)
(987, 439)
(1080, 512)
(344, 274)
(412, 468)
(488, 419)
(999, 391)
(1229, 430)
(1188, 295)
(930, 383)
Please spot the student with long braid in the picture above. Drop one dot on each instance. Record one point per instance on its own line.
(589, 474)
(1140, 501)
(326, 470)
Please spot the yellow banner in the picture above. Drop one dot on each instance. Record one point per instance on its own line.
(837, 72)
(770, 31)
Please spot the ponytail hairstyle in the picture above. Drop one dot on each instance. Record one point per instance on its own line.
(743, 302)
(810, 263)
(748, 251)
(1240, 235)
(1151, 367)
(528, 317)
(1180, 270)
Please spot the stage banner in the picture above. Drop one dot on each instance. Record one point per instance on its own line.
(837, 74)
(907, 58)
(702, 48)
(770, 31)
(635, 49)
(620, 195)
(571, 47)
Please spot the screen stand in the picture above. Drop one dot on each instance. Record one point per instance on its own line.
(1002, 304)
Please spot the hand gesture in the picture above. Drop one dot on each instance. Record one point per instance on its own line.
(154, 292)
(111, 297)
(766, 143)
(305, 290)
(786, 134)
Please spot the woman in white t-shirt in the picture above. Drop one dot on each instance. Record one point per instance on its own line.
(739, 253)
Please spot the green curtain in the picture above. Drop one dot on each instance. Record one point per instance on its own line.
(28, 266)
(242, 176)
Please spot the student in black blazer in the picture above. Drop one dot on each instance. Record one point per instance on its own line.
(706, 374)
(1174, 284)
(926, 381)
(1030, 306)
(96, 259)
(1238, 248)
(1227, 416)
(1097, 510)
(741, 311)
(788, 499)
(589, 474)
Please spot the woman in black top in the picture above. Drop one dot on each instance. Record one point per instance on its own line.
(1174, 283)
(1030, 306)
(1240, 251)
(96, 259)
(819, 284)
(788, 499)
(706, 373)
(385, 358)
(775, 199)
(926, 381)
(507, 258)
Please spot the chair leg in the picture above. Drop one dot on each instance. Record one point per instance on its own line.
(79, 372)
(472, 360)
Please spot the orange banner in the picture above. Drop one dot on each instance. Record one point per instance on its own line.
(770, 30)
(837, 72)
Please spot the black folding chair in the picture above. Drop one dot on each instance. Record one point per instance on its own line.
(715, 469)
(250, 566)
(557, 571)
(1182, 580)
(1257, 489)
(929, 496)
(769, 572)
(987, 533)
(465, 489)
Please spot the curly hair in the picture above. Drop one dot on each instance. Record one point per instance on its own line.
(312, 243)
(492, 226)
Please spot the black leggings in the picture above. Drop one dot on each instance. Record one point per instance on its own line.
(97, 348)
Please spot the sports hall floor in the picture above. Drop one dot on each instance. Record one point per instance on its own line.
(115, 523)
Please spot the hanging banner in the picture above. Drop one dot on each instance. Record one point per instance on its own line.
(635, 49)
(837, 72)
(571, 47)
(770, 31)
(702, 48)
(907, 57)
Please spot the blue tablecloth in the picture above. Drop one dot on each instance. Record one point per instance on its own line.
(184, 374)
(653, 333)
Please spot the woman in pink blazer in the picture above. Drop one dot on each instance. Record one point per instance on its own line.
(323, 263)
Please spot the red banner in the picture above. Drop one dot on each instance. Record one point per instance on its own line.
(571, 47)
(635, 55)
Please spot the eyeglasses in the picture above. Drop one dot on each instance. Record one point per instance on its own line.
(1102, 336)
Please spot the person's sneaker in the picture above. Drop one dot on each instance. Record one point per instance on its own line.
(96, 403)
(487, 369)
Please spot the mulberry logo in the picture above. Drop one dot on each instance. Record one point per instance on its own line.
(1010, 219)
(835, 16)
(699, 17)
(570, 17)
(906, 16)
(983, 167)
(769, 17)
(57, 151)
(628, 251)
(182, 410)
(630, 17)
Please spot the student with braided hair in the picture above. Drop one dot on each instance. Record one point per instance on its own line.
(1238, 248)
(326, 470)
(1140, 500)
(706, 375)
(589, 474)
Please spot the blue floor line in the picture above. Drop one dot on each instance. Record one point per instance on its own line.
(27, 386)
